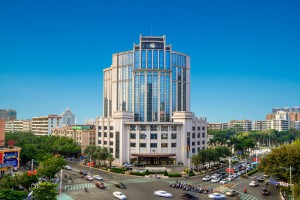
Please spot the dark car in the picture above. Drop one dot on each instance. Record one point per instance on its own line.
(120, 185)
(139, 165)
(188, 196)
(83, 172)
(260, 179)
(264, 191)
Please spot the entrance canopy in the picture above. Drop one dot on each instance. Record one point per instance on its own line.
(153, 155)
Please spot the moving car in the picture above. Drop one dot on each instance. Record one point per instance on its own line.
(162, 193)
(215, 176)
(216, 196)
(206, 178)
(127, 165)
(224, 181)
(100, 185)
(89, 178)
(254, 183)
(68, 167)
(120, 185)
(98, 178)
(264, 191)
(119, 195)
(215, 180)
(232, 193)
(83, 172)
(187, 196)
(260, 179)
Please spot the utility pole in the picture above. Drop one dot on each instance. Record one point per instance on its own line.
(31, 165)
(60, 187)
(229, 160)
(91, 165)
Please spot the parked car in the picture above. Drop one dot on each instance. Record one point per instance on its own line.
(127, 165)
(89, 178)
(215, 176)
(83, 172)
(216, 196)
(98, 178)
(215, 180)
(119, 195)
(224, 181)
(162, 193)
(187, 196)
(264, 191)
(254, 183)
(232, 193)
(120, 185)
(68, 167)
(206, 178)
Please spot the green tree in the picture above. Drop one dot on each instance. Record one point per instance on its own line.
(110, 159)
(196, 160)
(9, 194)
(26, 180)
(65, 146)
(45, 191)
(51, 166)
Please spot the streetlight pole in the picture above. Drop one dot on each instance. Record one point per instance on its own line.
(60, 187)
(229, 160)
(91, 165)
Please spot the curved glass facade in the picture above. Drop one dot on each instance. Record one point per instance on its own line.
(152, 81)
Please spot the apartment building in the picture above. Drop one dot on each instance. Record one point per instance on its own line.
(242, 125)
(218, 126)
(44, 124)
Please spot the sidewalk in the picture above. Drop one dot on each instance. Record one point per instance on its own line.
(64, 197)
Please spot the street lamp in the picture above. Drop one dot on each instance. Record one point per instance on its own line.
(229, 169)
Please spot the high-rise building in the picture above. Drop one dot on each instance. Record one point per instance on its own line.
(242, 125)
(5, 115)
(68, 117)
(286, 109)
(146, 106)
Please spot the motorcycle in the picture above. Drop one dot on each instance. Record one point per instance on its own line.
(86, 189)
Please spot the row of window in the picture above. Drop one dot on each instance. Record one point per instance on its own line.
(105, 142)
(105, 128)
(153, 127)
(153, 136)
(111, 135)
(153, 145)
(198, 128)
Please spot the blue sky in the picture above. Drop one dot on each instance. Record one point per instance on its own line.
(244, 54)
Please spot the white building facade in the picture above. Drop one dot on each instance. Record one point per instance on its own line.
(146, 106)
(43, 125)
(18, 125)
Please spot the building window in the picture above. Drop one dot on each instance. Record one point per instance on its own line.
(198, 128)
(198, 135)
(193, 128)
(142, 135)
(193, 150)
(164, 128)
(164, 145)
(111, 134)
(105, 127)
(111, 150)
(164, 136)
(105, 134)
(99, 134)
(111, 128)
(203, 142)
(153, 127)
(174, 128)
(133, 127)
(143, 145)
(173, 136)
(203, 134)
(173, 144)
(153, 145)
(132, 144)
(193, 143)
(142, 127)
(111, 143)
(117, 142)
(99, 141)
(203, 128)
(105, 142)
(198, 143)
(132, 136)
(153, 136)
(198, 149)
(99, 127)
(193, 135)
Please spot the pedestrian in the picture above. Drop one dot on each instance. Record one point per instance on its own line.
(245, 190)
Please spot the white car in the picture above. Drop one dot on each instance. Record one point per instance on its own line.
(98, 178)
(224, 181)
(206, 178)
(89, 178)
(215, 180)
(215, 176)
(232, 193)
(254, 183)
(162, 193)
(119, 195)
(68, 167)
(216, 196)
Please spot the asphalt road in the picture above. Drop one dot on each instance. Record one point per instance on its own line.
(143, 188)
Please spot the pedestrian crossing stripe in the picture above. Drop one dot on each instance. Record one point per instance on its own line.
(243, 196)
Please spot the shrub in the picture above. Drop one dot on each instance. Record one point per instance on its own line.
(161, 172)
(166, 173)
(250, 173)
(147, 172)
(176, 174)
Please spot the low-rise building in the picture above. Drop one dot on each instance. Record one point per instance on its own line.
(83, 135)
(43, 125)
(18, 125)
(244, 125)
(218, 126)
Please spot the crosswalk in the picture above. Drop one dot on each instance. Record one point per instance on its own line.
(107, 183)
(243, 196)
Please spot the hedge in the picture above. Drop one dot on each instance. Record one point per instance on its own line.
(118, 170)
(250, 173)
(137, 173)
(176, 174)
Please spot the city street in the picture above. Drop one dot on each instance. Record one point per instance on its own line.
(141, 187)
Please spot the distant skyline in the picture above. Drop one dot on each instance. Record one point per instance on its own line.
(244, 54)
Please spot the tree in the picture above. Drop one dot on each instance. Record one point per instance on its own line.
(196, 160)
(9, 182)
(110, 159)
(45, 191)
(26, 180)
(51, 166)
(9, 194)
(65, 146)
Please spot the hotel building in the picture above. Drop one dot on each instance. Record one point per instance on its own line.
(146, 106)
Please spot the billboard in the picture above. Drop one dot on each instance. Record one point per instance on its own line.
(11, 158)
(1, 156)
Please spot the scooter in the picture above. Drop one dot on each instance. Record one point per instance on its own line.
(86, 190)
